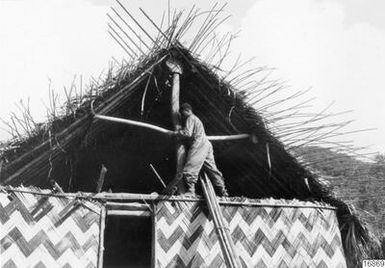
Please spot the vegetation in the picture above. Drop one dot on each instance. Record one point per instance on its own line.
(358, 182)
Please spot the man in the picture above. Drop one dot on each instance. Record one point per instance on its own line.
(199, 153)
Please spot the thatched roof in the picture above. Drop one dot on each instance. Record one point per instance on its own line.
(71, 149)
(128, 151)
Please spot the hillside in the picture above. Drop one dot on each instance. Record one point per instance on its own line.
(360, 183)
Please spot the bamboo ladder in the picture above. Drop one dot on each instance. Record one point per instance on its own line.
(224, 236)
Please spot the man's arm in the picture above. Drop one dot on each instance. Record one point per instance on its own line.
(187, 131)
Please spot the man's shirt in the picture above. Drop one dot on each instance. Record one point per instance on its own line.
(194, 131)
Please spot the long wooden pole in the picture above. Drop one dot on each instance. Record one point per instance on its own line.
(134, 123)
(154, 236)
(166, 131)
(218, 224)
(225, 251)
(176, 71)
(131, 206)
(101, 236)
(129, 197)
(226, 232)
(129, 213)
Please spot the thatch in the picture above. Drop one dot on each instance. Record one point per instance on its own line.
(72, 148)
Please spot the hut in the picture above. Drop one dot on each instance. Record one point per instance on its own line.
(106, 205)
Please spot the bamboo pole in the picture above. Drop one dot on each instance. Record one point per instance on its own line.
(229, 137)
(227, 254)
(227, 236)
(122, 30)
(104, 196)
(220, 224)
(158, 176)
(134, 123)
(131, 29)
(123, 41)
(136, 22)
(166, 131)
(132, 206)
(101, 236)
(217, 227)
(121, 45)
(129, 213)
(154, 236)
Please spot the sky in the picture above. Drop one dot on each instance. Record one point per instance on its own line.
(336, 47)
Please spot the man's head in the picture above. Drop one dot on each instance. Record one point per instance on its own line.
(185, 109)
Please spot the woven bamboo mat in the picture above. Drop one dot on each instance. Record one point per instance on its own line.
(272, 236)
(47, 231)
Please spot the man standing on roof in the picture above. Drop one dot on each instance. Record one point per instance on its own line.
(199, 153)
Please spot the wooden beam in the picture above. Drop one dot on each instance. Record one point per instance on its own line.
(134, 123)
(176, 70)
(132, 209)
(133, 206)
(169, 132)
(229, 137)
(130, 197)
(129, 213)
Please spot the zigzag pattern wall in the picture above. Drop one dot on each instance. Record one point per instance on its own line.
(46, 231)
(264, 236)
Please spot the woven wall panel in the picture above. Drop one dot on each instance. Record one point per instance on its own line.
(42, 231)
(263, 236)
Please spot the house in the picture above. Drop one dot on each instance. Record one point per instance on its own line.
(278, 213)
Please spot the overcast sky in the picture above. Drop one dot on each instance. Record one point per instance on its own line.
(337, 47)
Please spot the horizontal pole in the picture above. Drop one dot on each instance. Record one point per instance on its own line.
(155, 197)
(166, 131)
(134, 123)
(127, 206)
(128, 213)
(228, 137)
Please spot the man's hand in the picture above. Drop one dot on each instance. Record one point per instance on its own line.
(178, 135)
